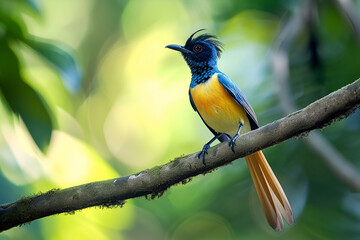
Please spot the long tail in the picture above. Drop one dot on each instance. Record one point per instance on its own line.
(272, 197)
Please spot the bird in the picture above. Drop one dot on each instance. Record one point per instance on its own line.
(227, 113)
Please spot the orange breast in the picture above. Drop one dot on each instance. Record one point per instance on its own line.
(218, 109)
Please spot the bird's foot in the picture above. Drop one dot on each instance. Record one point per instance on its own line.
(203, 152)
(233, 139)
(232, 143)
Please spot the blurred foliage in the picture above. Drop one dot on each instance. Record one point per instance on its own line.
(95, 88)
(21, 98)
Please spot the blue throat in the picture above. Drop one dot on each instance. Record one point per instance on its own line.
(201, 72)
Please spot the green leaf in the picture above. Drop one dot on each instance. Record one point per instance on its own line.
(61, 59)
(22, 99)
(10, 27)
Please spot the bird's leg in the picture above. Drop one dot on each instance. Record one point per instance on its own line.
(206, 147)
(232, 140)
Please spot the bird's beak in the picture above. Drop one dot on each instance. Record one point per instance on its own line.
(179, 48)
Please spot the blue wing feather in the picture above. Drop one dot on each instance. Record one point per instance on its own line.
(224, 137)
(239, 97)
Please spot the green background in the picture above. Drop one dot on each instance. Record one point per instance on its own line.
(99, 97)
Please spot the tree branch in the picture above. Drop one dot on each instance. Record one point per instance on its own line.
(153, 181)
(347, 8)
(332, 158)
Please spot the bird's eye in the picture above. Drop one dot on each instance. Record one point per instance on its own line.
(198, 48)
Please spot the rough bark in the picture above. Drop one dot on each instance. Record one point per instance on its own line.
(154, 181)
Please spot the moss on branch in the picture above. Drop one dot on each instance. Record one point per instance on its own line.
(155, 181)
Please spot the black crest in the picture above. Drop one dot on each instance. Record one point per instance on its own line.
(206, 38)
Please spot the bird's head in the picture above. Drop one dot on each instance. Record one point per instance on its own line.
(205, 49)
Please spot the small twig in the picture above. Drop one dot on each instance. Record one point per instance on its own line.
(342, 168)
(345, 171)
(347, 8)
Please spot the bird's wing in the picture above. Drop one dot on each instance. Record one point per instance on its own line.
(239, 97)
(224, 137)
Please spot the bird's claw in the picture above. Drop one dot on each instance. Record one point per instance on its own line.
(232, 144)
(232, 140)
(203, 152)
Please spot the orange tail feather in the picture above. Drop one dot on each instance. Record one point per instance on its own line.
(272, 197)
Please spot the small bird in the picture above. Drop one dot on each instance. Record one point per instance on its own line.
(227, 113)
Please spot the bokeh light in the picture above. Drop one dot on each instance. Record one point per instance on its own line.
(118, 103)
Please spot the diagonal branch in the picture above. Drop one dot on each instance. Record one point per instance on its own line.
(153, 181)
(347, 8)
(331, 157)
